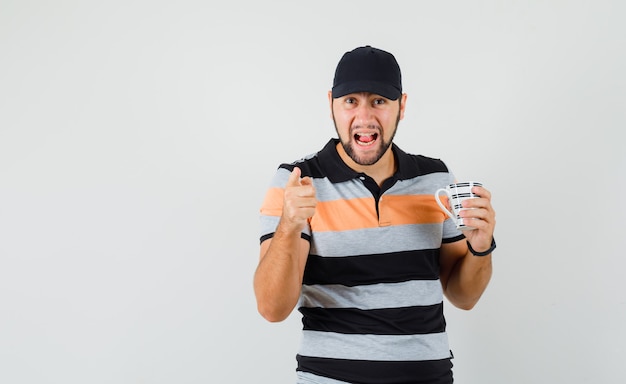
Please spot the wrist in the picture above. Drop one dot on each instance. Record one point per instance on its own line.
(484, 253)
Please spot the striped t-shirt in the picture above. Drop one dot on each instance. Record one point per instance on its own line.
(371, 300)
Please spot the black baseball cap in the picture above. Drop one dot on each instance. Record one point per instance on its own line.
(368, 69)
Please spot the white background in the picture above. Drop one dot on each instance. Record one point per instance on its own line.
(137, 139)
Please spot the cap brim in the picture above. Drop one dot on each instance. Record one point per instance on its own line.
(383, 89)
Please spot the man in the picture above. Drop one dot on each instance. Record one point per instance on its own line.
(353, 236)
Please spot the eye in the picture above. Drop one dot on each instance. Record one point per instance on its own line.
(378, 102)
(350, 100)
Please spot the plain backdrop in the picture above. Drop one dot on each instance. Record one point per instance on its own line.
(137, 139)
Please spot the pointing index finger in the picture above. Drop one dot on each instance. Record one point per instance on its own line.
(294, 178)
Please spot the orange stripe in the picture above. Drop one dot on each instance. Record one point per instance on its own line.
(345, 215)
(410, 209)
(273, 202)
(351, 214)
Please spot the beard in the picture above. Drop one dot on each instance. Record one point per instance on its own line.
(348, 145)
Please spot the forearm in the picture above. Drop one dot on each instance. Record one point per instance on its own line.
(278, 278)
(468, 280)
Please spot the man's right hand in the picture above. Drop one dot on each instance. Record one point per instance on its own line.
(299, 201)
(278, 278)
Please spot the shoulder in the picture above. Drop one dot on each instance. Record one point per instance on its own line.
(309, 165)
(319, 164)
(413, 165)
(429, 164)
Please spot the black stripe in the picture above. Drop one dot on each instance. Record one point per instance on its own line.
(460, 195)
(466, 184)
(453, 239)
(372, 269)
(379, 372)
(416, 320)
(270, 235)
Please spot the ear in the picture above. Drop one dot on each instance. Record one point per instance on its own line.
(330, 103)
(402, 105)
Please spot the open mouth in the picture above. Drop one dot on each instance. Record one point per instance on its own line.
(365, 138)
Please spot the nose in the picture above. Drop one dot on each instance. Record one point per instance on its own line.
(363, 114)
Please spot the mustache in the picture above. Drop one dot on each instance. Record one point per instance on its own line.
(368, 126)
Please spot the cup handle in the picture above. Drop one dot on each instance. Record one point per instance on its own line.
(443, 207)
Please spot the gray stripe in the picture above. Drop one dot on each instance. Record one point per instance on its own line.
(354, 189)
(377, 240)
(376, 296)
(450, 230)
(427, 184)
(280, 178)
(375, 347)
(268, 225)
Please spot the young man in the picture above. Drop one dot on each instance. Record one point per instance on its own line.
(352, 236)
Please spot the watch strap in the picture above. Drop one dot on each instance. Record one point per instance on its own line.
(485, 253)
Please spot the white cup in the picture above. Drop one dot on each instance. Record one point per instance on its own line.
(457, 193)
